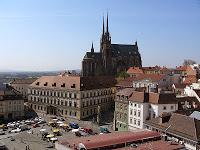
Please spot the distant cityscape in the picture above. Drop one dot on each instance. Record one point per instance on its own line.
(112, 102)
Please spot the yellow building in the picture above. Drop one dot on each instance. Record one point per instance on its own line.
(71, 96)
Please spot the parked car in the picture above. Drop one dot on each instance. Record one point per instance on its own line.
(88, 130)
(73, 125)
(104, 130)
(16, 130)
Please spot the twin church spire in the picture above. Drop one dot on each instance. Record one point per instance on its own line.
(106, 25)
(105, 34)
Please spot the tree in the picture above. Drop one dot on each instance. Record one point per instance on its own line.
(123, 74)
(188, 62)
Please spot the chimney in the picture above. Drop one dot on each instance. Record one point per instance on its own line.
(157, 88)
(164, 117)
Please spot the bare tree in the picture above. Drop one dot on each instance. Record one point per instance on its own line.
(189, 62)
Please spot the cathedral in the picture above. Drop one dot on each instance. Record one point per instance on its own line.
(112, 58)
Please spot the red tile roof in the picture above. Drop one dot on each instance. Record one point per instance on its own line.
(162, 98)
(128, 82)
(23, 81)
(156, 145)
(190, 79)
(110, 139)
(138, 97)
(74, 82)
(180, 125)
(134, 70)
(126, 92)
(183, 68)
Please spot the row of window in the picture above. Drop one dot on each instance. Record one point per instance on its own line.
(96, 101)
(135, 121)
(70, 94)
(135, 113)
(171, 107)
(96, 93)
(53, 93)
(135, 105)
(89, 112)
(53, 101)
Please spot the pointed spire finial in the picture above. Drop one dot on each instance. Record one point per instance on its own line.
(103, 25)
(92, 49)
(107, 23)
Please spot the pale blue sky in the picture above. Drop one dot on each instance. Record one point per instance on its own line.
(41, 35)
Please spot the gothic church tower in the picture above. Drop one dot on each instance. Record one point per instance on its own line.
(105, 49)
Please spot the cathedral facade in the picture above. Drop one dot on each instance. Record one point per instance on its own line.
(112, 58)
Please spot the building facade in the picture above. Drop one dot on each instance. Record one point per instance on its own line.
(71, 96)
(21, 86)
(121, 109)
(112, 58)
(132, 107)
(11, 104)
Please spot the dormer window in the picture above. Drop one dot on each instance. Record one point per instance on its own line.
(54, 84)
(37, 83)
(73, 86)
(63, 85)
(45, 84)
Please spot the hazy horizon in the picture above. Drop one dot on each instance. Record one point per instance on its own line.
(53, 35)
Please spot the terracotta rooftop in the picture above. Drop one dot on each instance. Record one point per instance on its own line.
(190, 79)
(23, 81)
(183, 68)
(162, 98)
(128, 82)
(134, 70)
(156, 145)
(126, 92)
(114, 138)
(152, 77)
(154, 98)
(180, 125)
(74, 82)
(139, 97)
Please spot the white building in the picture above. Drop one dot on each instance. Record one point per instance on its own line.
(193, 90)
(145, 106)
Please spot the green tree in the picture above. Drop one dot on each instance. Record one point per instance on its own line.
(123, 74)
